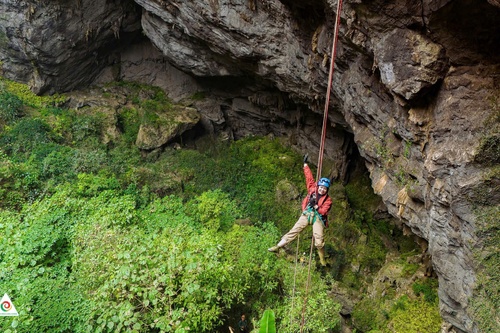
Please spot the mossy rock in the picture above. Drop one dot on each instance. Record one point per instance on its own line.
(489, 150)
(286, 191)
(166, 126)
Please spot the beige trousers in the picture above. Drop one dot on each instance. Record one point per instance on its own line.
(301, 223)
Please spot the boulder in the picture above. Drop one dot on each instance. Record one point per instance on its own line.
(166, 127)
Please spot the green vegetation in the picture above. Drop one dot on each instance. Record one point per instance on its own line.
(10, 107)
(486, 300)
(367, 317)
(487, 294)
(427, 288)
(414, 317)
(488, 152)
(267, 323)
(94, 237)
(410, 269)
(129, 123)
(407, 148)
(413, 312)
(198, 96)
(29, 99)
(359, 236)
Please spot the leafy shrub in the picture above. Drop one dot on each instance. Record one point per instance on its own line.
(89, 185)
(427, 288)
(415, 317)
(486, 299)
(248, 171)
(113, 209)
(409, 269)
(19, 183)
(50, 110)
(162, 213)
(366, 315)
(86, 128)
(35, 267)
(11, 107)
(121, 159)
(259, 274)
(23, 92)
(215, 210)
(24, 136)
(173, 280)
(58, 165)
(320, 312)
(404, 315)
(268, 322)
(59, 120)
(9, 196)
(89, 161)
(129, 123)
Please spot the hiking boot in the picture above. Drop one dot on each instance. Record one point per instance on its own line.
(321, 254)
(274, 248)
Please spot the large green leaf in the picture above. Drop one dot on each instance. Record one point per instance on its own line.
(267, 323)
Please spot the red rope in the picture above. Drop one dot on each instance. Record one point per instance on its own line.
(294, 278)
(322, 143)
(328, 90)
(307, 286)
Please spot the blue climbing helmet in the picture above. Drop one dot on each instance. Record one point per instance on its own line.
(324, 182)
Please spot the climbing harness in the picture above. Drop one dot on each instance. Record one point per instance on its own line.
(313, 216)
(320, 159)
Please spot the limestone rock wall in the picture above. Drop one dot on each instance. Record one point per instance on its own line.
(60, 45)
(416, 85)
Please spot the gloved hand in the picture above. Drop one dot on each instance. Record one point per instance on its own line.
(312, 200)
(306, 156)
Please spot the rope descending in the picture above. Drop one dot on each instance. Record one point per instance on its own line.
(322, 146)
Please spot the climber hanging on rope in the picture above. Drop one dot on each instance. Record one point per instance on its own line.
(315, 208)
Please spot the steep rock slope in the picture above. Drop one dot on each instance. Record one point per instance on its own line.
(416, 86)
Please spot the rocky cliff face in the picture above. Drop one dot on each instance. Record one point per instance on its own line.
(60, 45)
(415, 88)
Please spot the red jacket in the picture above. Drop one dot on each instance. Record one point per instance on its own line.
(325, 202)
